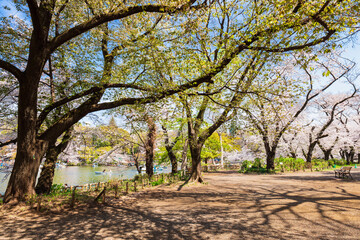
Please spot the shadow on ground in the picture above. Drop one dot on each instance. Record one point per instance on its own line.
(229, 206)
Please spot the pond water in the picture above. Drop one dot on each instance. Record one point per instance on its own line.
(79, 175)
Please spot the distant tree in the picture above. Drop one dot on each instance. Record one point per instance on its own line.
(331, 106)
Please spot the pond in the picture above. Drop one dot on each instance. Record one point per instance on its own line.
(79, 175)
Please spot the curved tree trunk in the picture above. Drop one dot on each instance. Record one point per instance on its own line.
(184, 155)
(310, 152)
(173, 160)
(47, 173)
(170, 146)
(196, 163)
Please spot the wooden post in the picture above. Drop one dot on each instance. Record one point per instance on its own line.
(134, 186)
(72, 203)
(104, 195)
(39, 198)
(116, 190)
(127, 188)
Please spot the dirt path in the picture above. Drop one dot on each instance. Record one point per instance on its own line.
(230, 206)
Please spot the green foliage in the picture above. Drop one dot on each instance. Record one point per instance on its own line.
(257, 163)
(257, 166)
(58, 189)
(158, 182)
(212, 146)
(320, 164)
(337, 162)
(245, 166)
(289, 164)
(257, 170)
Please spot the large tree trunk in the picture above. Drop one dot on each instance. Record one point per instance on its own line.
(29, 150)
(327, 154)
(195, 150)
(310, 151)
(349, 155)
(270, 160)
(270, 154)
(150, 146)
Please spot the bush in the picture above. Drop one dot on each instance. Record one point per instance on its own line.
(57, 189)
(158, 182)
(245, 166)
(256, 170)
(339, 162)
(319, 164)
(289, 164)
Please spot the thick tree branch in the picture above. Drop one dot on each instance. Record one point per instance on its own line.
(11, 69)
(3, 144)
(88, 92)
(33, 7)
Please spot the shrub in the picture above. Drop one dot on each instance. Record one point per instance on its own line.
(245, 166)
(319, 164)
(289, 164)
(340, 162)
(158, 182)
(57, 189)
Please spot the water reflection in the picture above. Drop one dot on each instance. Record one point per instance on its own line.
(79, 175)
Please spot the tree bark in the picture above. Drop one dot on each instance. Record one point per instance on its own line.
(184, 155)
(195, 150)
(310, 151)
(46, 178)
(173, 160)
(29, 150)
(327, 154)
(47, 173)
(270, 160)
(169, 148)
(270, 153)
(150, 146)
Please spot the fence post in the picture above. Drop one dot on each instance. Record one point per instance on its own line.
(72, 204)
(39, 198)
(127, 188)
(116, 190)
(134, 186)
(104, 194)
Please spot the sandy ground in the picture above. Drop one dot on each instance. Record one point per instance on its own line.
(229, 206)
